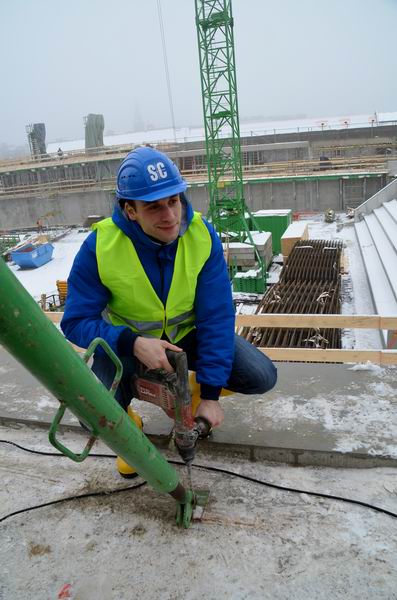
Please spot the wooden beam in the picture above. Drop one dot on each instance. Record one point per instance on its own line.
(297, 321)
(55, 317)
(317, 321)
(380, 357)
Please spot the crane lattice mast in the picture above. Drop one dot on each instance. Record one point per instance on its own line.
(227, 210)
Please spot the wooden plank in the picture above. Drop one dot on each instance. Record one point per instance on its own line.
(389, 322)
(320, 321)
(344, 266)
(296, 320)
(380, 357)
(55, 317)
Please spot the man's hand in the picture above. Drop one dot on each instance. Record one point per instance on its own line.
(151, 352)
(212, 411)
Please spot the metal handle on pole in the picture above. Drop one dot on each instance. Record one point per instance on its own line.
(57, 444)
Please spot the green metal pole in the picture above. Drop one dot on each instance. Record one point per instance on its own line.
(34, 340)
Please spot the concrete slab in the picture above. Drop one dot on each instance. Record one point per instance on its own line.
(318, 414)
(254, 542)
(24, 399)
(341, 415)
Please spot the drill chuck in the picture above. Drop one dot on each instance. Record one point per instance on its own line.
(186, 441)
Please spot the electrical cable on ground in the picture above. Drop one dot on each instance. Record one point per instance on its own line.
(180, 463)
(88, 495)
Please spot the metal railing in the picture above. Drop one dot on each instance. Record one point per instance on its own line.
(384, 195)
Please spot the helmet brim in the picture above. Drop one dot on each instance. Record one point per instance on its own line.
(156, 195)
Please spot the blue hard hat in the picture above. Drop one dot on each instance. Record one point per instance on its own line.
(147, 174)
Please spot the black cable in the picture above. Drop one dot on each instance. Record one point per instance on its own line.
(88, 495)
(205, 468)
(52, 453)
(295, 490)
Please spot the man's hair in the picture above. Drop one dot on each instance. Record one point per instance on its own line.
(123, 202)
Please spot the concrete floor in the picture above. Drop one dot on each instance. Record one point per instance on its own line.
(254, 542)
(340, 415)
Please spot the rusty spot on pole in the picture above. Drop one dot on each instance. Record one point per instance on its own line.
(103, 422)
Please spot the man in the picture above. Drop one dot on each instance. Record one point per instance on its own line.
(156, 271)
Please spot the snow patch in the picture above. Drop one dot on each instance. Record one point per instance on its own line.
(44, 402)
(367, 366)
(43, 279)
(364, 421)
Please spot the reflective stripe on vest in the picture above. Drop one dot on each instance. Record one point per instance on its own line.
(133, 301)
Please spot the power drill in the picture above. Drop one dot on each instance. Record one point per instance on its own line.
(171, 391)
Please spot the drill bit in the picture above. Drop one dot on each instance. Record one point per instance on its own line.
(189, 474)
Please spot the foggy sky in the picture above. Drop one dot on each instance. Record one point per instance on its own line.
(62, 60)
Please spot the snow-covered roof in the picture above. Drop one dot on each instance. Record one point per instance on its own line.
(191, 134)
(270, 212)
(237, 245)
(296, 229)
(259, 238)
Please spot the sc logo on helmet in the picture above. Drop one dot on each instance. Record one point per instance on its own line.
(157, 171)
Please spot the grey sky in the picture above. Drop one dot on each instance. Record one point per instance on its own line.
(62, 60)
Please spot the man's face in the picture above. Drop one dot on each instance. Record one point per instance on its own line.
(160, 219)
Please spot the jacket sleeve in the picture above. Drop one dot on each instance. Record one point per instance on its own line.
(215, 321)
(86, 299)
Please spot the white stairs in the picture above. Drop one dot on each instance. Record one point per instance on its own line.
(377, 236)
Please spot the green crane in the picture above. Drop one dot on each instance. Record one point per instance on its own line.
(227, 211)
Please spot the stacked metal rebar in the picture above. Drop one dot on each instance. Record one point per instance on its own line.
(309, 284)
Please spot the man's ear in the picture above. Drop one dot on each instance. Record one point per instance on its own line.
(130, 212)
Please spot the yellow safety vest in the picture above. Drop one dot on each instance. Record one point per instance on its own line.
(133, 301)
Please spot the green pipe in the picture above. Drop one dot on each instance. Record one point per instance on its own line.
(35, 341)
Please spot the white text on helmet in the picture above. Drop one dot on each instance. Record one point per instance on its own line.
(157, 171)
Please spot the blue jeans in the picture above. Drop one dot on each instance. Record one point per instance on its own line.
(252, 371)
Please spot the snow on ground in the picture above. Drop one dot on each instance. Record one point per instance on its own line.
(43, 279)
(333, 408)
(349, 417)
(254, 543)
(356, 295)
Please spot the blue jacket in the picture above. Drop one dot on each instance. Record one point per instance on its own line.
(87, 297)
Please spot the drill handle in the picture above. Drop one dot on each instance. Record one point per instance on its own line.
(203, 427)
(176, 358)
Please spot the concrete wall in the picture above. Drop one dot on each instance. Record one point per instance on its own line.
(255, 150)
(301, 196)
(298, 195)
(57, 209)
(363, 135)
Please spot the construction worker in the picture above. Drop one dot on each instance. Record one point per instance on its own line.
(152, 277)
